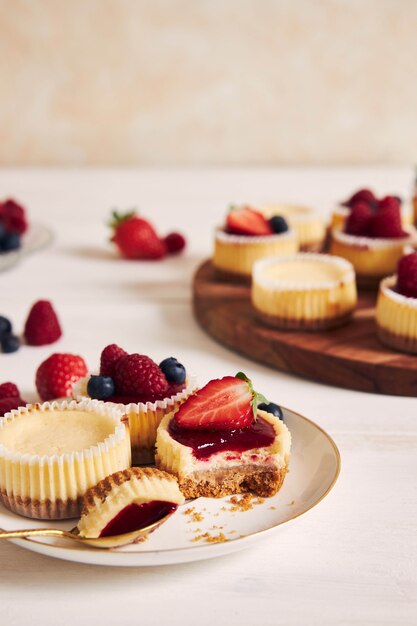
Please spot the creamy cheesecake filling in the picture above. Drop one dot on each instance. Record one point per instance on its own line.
(57, 432)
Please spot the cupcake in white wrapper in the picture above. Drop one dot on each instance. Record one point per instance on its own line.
(51, 453)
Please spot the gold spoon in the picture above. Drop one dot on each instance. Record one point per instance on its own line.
(99, 542)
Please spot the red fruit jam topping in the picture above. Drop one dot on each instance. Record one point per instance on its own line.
(204, 443)
(136, 516)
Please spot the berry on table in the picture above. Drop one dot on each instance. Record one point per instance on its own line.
(13, 216)
(273, 408)
(5, 326)
(10, 343)
(42, 326)
(9, 390)
(173, 370)
(175, 243)
(137, 374)
(407, 275)
(278, 224)
(100, 387)
(108, 358)
(56, 376)
(9, 403)
(136, 238)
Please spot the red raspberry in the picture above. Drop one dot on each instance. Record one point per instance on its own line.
(138, 375)
(8, 404)
(109, 356)
(389, 202)
(175, 242)
(386, 223)
(363, 195)
(9, 390)
(13, 217)
(359, 219)
(42, 325)
(57, 375)
(407, 275)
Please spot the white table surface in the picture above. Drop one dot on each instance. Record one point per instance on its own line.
(352, 559)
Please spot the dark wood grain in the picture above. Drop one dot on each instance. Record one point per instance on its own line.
(350, 356)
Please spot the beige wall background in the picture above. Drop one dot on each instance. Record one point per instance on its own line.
(190, 82)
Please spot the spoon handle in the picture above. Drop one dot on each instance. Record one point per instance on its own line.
(34, 532)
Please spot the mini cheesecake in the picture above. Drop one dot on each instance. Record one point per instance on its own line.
(51, 453)
(396, 317)
(372, 257)
(308, 225)
(247, 237)
(216, 463)
(341, 213)
(127, 501)
(304, 291)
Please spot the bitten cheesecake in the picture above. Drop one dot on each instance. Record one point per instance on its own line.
(50, 454)
(216, 445)
(247, 237)
(127, 501)
(304, 291)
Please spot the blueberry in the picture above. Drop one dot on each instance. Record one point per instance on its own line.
(3, 231)
(100, 387)
(272, 408)
(10, 241)
(278, 224)
(5, 326)
(174, 371)
(10, 343)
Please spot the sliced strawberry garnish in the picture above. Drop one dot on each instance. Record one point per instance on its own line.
(223, 404)
(247, 221)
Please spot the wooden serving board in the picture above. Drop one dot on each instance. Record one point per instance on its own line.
(350, 356)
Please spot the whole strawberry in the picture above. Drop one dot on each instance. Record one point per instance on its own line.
(42, 326)
(56, 376)
(407, 275)
(136, 238)
(108, 358)
(138, 375)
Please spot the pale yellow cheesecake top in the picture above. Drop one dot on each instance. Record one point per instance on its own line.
(303, 271)
(56, 432)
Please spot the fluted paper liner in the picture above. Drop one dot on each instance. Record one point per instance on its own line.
(52, 486)
(143, 417)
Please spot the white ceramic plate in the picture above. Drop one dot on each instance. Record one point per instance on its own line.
(36, 238)
(314, 468)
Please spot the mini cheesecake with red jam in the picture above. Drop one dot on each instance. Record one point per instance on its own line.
(127, 501)
(225, 439)
(373, 238)
(143, 391)
(247, 237)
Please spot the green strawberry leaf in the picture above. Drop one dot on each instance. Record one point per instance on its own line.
(257, 398)
(118, 218)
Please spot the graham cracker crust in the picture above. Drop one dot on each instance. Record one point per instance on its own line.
(283, 323)
(262, 481)
(42, 509)
(397, 342)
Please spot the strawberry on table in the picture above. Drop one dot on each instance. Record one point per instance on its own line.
(223, 404)
(56, 376)
(247, 221)
(136, 238)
